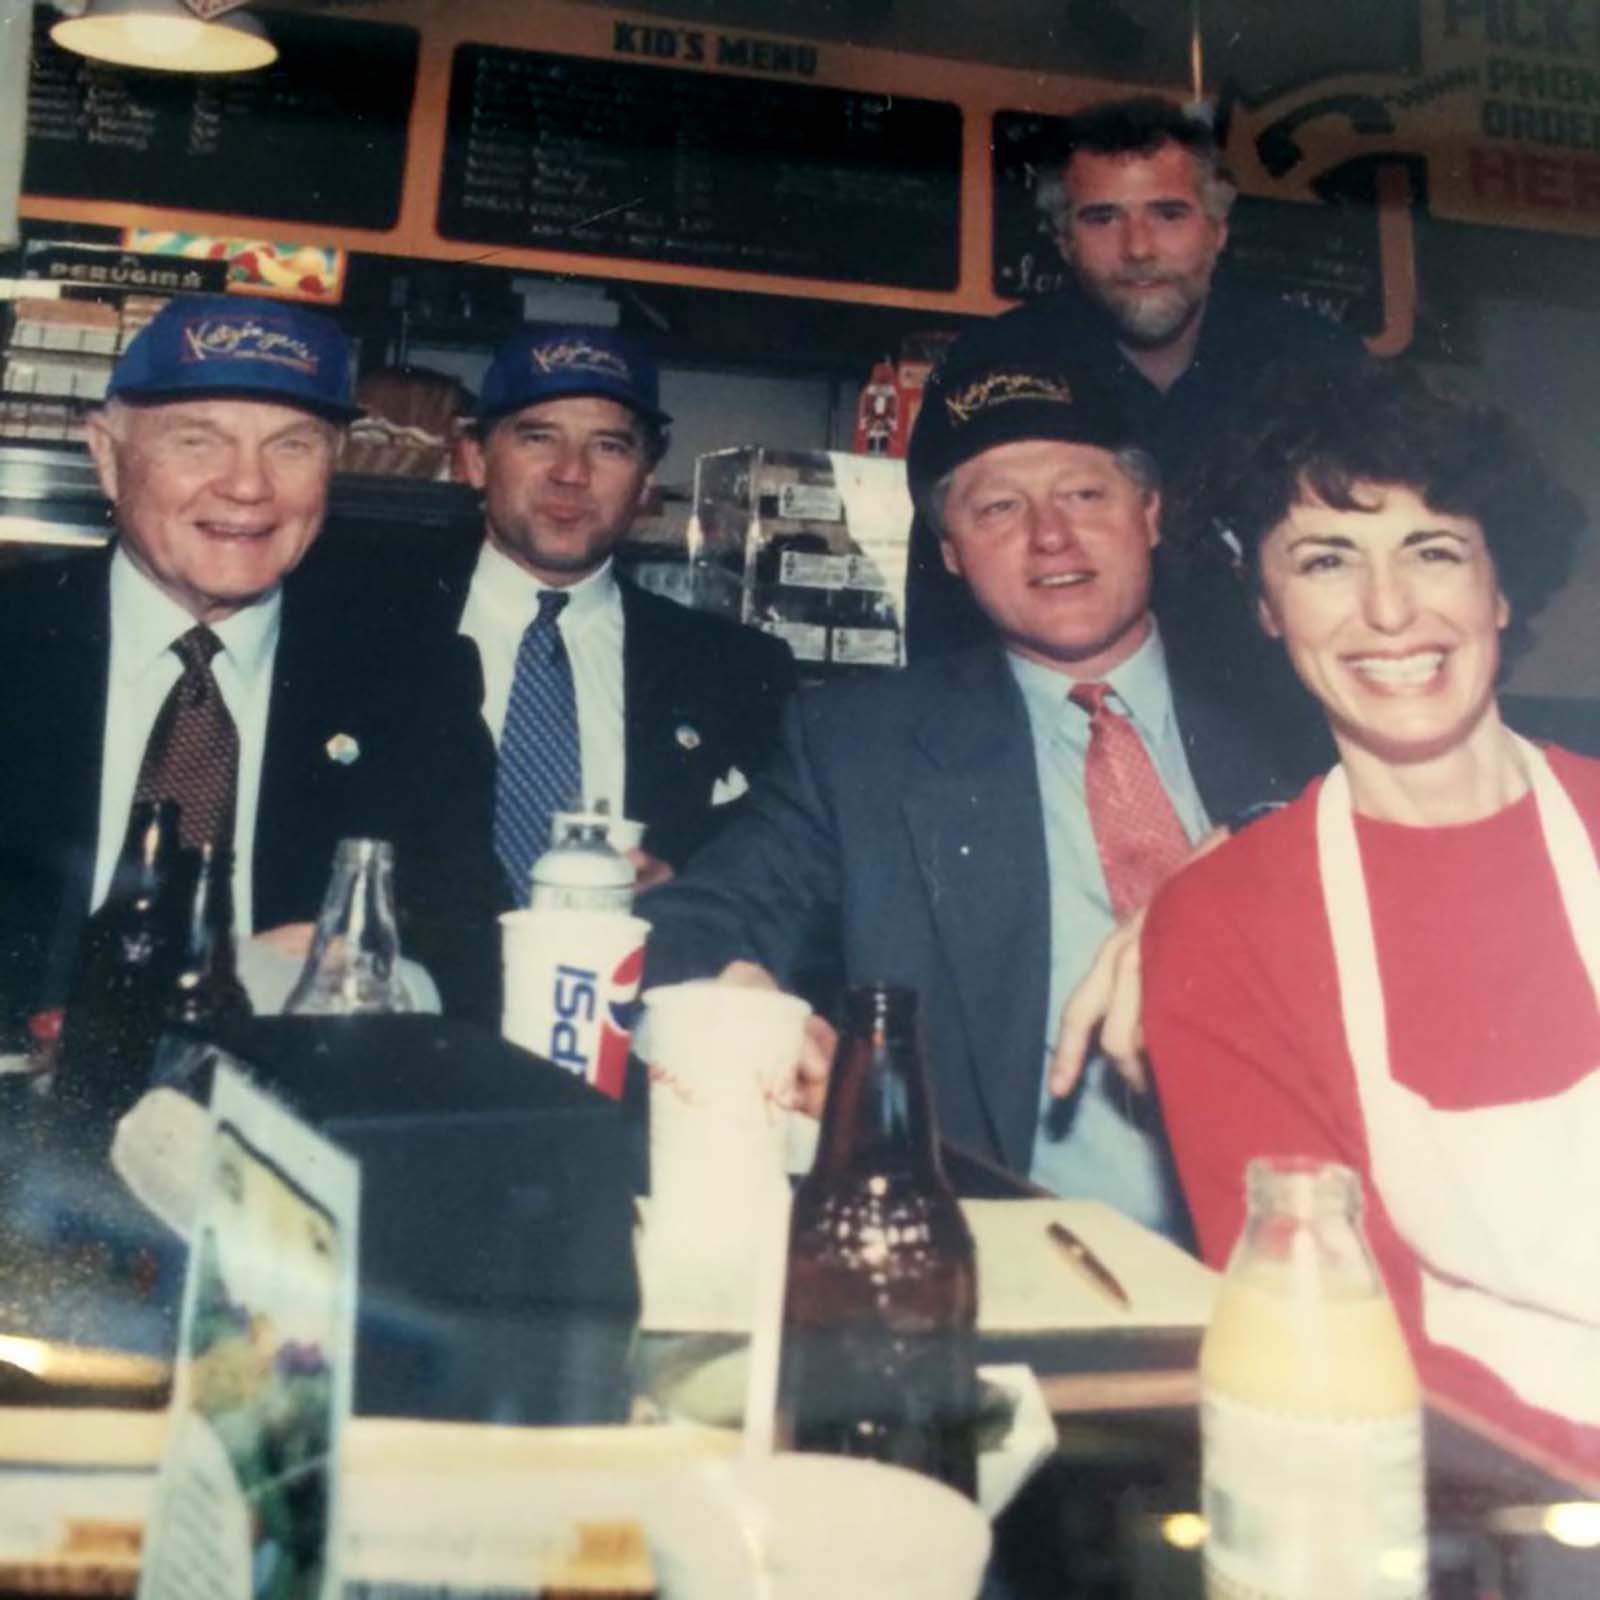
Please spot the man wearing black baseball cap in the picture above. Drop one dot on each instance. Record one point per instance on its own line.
(187, 662)
(593, 688)
(976, 826)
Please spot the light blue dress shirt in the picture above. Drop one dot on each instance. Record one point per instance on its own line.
(1087, 1146)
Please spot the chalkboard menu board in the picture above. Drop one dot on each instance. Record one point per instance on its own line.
(704, 169)
(319, 136)
(1324, 257)
(1026, 261)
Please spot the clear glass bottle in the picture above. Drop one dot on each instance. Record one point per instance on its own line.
(1311, 1414)
(354, 965)
(582, 870)
(880, 1307)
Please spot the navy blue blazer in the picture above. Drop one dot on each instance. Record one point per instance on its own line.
(702, 695)
(901, 833)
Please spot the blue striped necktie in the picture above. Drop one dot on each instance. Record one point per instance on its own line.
(539, 771)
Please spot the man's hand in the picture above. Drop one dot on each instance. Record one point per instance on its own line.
(650, 872)
(1107, 1001)
(808, 1084)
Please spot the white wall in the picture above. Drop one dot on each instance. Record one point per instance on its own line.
(713, 410)
(1543, 361)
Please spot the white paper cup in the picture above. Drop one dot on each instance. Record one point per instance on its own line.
(718, 1057)
(571, 983)
(828, 1526)
(720, 1046)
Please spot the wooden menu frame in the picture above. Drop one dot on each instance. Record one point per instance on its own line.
(882, 185)
(600, 35)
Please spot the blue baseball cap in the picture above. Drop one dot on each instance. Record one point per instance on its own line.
(562, 363)
(240, 348)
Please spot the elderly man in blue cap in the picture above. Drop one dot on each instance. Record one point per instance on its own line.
(187, 662)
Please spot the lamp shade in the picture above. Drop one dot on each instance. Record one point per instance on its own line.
(165, 36)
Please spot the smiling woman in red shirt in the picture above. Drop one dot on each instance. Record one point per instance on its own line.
(1400, 970)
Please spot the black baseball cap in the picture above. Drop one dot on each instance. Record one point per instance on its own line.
(558, 363)
(970, 406)
(242, 348)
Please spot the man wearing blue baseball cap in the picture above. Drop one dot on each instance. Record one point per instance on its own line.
(187, 662)
(594, 689)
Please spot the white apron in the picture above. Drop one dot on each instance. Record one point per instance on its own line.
(1501, 1205)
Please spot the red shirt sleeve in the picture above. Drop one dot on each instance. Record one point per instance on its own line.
(1229, 1048)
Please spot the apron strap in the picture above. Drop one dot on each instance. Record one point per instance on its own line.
(1571, 855)
(1349, 913)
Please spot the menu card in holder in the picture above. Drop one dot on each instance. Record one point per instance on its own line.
(247, 1501)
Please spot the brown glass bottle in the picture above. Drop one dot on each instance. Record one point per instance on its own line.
(207, 989)
(127, 960)
(880, 1308)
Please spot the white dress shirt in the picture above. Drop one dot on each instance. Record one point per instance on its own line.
(145, 623)
(501, 601)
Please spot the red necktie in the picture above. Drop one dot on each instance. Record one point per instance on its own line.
(1140, 837)
(193, 753)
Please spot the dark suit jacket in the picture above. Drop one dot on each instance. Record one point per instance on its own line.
(903, 822)
(701, 696)
(410, 704)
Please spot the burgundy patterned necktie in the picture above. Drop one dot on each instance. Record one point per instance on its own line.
(193, 753)
(1140, 838)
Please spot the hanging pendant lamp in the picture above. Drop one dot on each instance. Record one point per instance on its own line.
(166, 36)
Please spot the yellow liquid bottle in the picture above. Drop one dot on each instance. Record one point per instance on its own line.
(1311, 1415)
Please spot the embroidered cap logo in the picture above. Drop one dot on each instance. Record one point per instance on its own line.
(1001, 388)
(578, 356)
(226, 339)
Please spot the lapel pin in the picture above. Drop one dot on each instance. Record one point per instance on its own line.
(343, 749)
(688, 737)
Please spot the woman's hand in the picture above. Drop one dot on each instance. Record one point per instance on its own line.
(1106, 1002)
